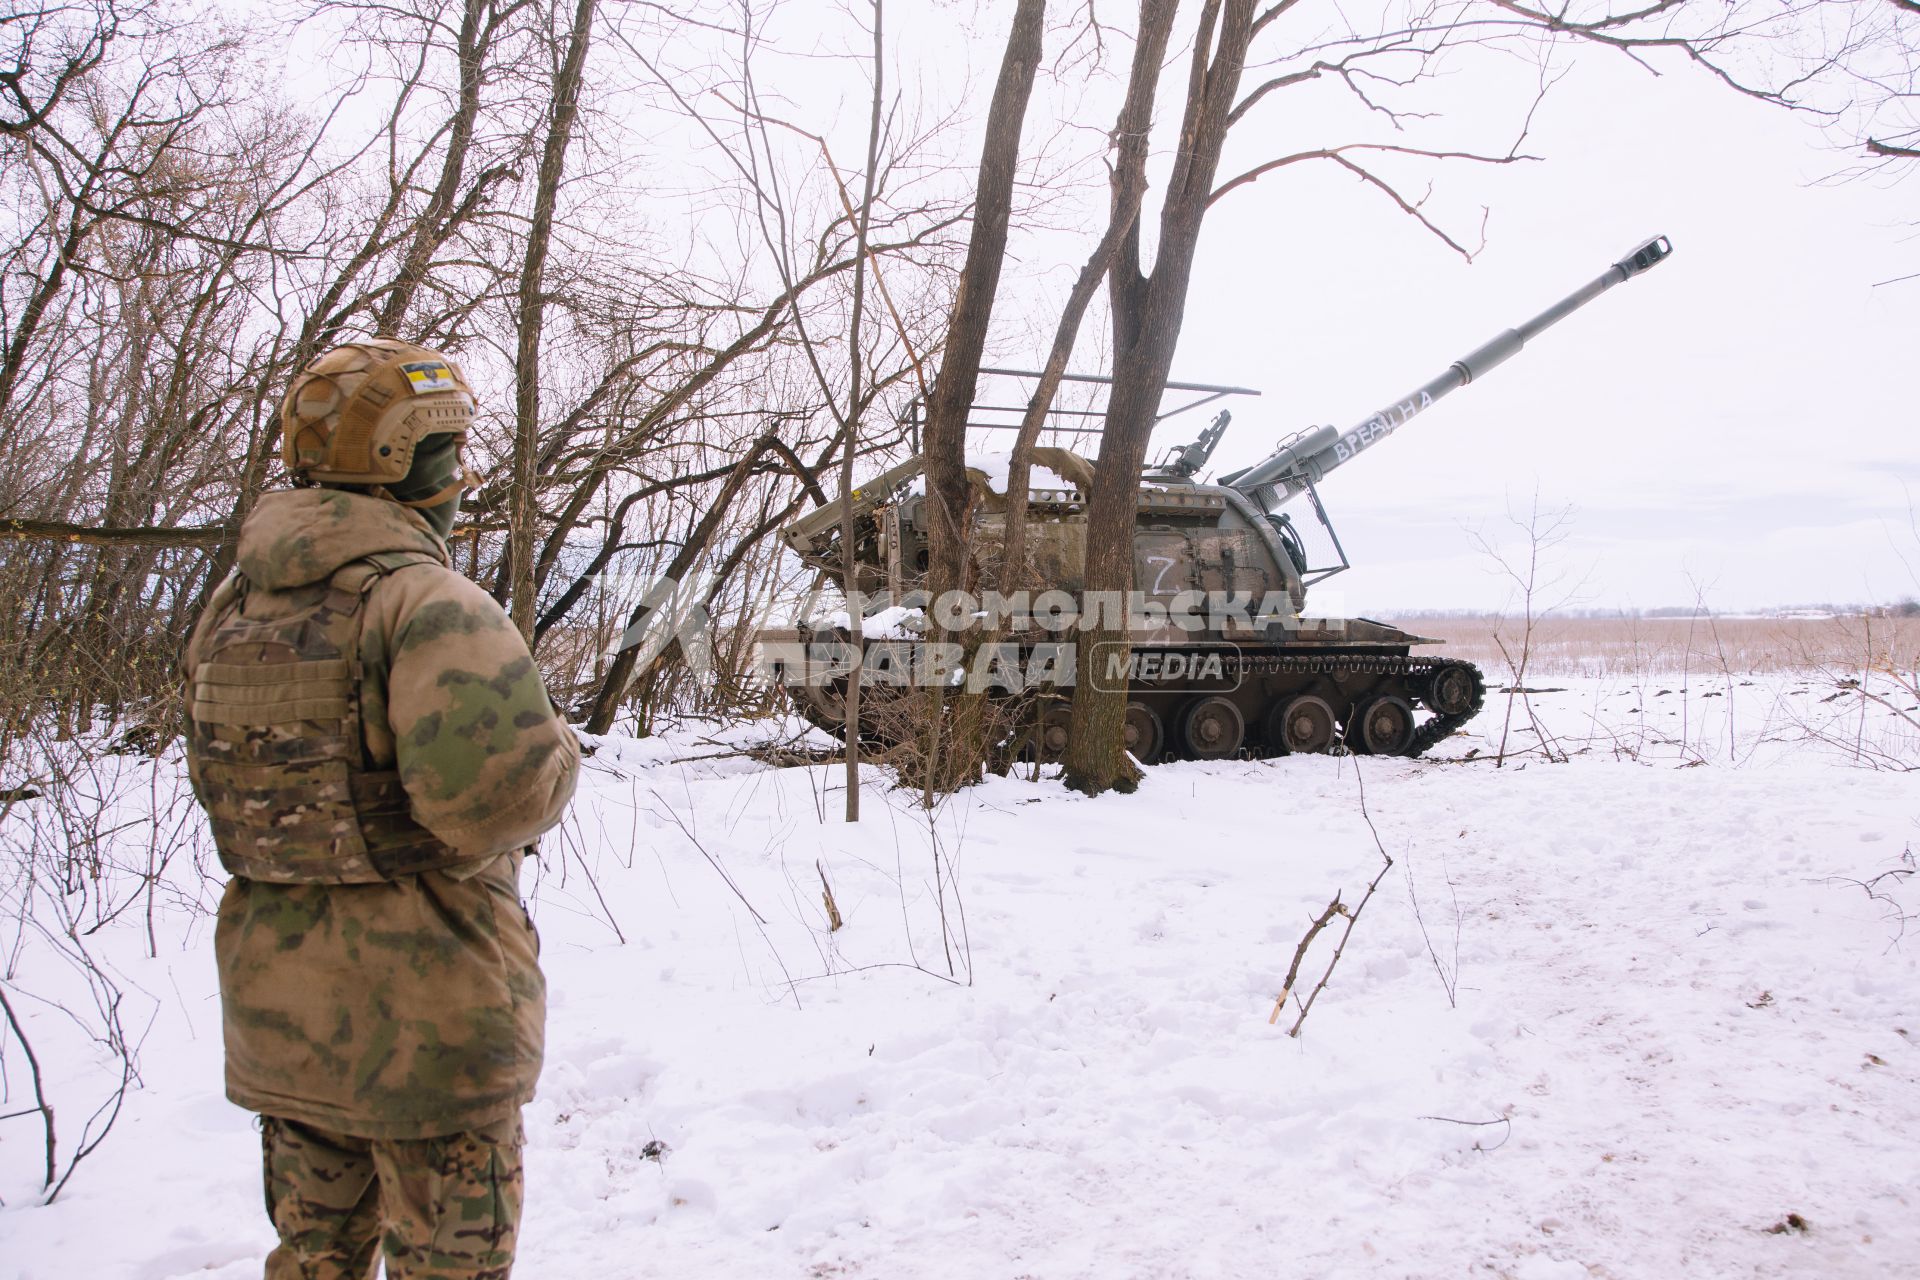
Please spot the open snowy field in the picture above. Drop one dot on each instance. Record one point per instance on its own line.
(1649, 1012)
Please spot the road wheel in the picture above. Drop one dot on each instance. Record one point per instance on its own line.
(1382, 727)
(1145, 736)
(1054, 732)
(1453, 689)
(1211, 728)
(1301, 726)
(824, 705)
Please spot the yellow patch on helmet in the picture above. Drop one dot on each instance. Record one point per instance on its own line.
(424, 376)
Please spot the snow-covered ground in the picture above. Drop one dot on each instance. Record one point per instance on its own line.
(1633, 1015)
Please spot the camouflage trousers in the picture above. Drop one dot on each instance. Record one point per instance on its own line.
(445, 1208)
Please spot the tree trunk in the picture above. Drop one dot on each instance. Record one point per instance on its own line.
(850, 425)
(1147, 313)
(526, 391)
(956, 746)
(949, 496)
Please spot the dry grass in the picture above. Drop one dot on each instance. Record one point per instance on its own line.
(1673, 646)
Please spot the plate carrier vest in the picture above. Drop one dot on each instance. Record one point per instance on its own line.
(275, 749)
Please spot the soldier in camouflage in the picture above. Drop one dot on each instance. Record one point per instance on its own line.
(376, 754)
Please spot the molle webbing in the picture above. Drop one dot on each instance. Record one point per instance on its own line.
(276, 749)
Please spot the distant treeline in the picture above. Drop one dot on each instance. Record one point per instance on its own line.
(1906, 607)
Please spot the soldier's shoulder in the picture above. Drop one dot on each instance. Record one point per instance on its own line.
(423, 602)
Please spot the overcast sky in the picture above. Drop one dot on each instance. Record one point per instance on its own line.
(1737, 425)
(1740, 419)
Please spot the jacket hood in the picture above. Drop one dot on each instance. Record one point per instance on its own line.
(299, 536)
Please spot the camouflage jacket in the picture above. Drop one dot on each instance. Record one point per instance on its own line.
(412, 1007)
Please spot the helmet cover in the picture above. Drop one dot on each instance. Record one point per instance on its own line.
(354, 414)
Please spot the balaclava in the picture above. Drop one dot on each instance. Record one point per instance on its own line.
(436, 466)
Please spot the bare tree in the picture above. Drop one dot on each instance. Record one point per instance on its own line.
(1540, 585)
(955, 751)
(1147, 310)
(456, 198)
(532, 310)
(949, 492)
(1378, 65)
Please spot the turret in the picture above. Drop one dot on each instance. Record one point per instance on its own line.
(1304, 459)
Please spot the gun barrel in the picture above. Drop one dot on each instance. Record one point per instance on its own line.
(1290, 469)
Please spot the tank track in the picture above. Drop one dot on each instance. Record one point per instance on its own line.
(1442, 727)
(1437, 728)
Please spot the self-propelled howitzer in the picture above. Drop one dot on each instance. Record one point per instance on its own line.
(1203, 681)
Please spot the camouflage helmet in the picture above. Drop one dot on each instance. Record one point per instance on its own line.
(354, 414)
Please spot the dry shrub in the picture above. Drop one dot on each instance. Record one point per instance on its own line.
(899, 726)
(1644, 647)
